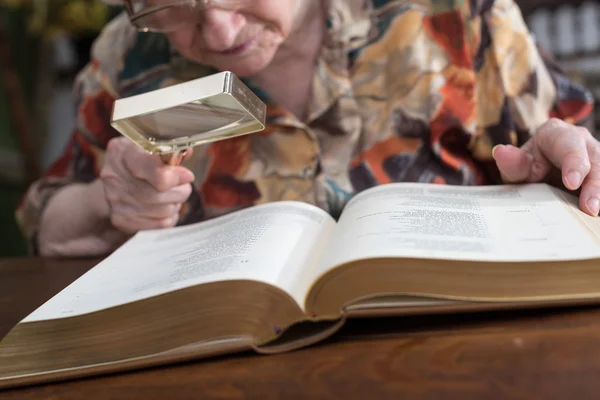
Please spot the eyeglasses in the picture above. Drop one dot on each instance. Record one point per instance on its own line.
(170, 15)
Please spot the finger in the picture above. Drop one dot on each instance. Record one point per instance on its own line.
(513, 163)
(575, 167)
(152, 211)
(140, 192)
(540, 166)
(145, 194)
(131, 224)
(589, 198)
(188, 154)
(167, 178)
(565, 146)
(152, 170)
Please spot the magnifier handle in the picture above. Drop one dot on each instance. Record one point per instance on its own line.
(173, 158)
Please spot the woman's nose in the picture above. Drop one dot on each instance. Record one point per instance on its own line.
(221, 28)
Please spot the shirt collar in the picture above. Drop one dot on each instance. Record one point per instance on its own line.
(348, 26)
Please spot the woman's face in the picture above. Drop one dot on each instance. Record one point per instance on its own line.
(243, 41)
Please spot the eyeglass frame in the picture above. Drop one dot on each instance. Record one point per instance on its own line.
(135, 15)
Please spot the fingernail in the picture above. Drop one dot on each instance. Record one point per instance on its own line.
(574, 179)
(496, 147)
(594, 205)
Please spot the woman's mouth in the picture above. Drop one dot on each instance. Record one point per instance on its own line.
(238, 50)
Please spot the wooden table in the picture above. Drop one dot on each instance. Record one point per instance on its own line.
(548, 354)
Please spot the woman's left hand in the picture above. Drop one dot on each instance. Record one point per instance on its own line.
(556, 145)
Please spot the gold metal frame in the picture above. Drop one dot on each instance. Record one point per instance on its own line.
(171, 120)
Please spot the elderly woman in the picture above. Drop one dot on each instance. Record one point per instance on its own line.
(359, 93)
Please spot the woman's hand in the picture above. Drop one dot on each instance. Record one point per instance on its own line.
(142, 192)
(135, 191)
(556, 145)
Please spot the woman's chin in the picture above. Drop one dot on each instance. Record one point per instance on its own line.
(242, 66)
(242, 70)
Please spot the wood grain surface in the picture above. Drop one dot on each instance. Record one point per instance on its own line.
(543, 354)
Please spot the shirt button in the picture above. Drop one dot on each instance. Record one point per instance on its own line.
(307, 172)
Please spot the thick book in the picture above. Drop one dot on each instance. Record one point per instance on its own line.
(284, 275)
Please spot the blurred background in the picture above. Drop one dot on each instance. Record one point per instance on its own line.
(43, 43)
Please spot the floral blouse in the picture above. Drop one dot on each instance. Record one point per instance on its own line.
(403, 91)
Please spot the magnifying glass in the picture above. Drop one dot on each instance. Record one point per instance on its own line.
(171, 120)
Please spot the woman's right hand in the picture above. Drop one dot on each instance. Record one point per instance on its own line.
(142, 192)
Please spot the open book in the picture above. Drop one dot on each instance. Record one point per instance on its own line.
(279, 276)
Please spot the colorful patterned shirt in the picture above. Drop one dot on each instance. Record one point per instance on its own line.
(403, 91)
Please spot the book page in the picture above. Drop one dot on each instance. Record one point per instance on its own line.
(493, 223)
(270, 243)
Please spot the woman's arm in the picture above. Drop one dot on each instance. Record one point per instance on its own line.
(134, 191)
(76, 222)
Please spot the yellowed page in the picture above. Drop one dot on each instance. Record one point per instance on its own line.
(494, 223)
(270, 243)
